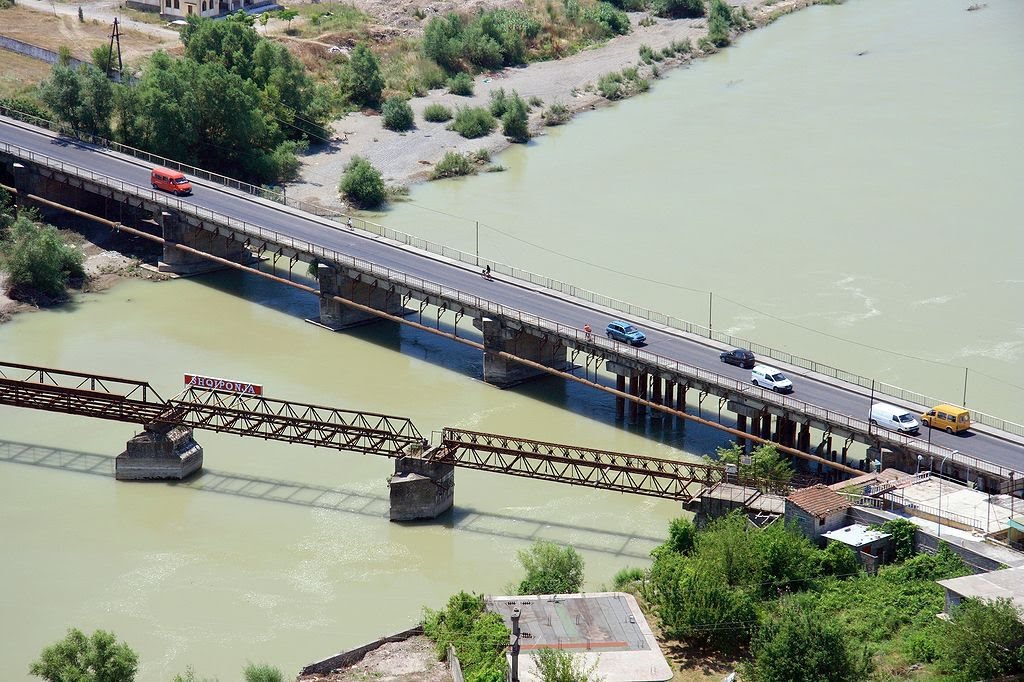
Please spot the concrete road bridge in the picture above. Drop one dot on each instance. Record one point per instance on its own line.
(530, 325)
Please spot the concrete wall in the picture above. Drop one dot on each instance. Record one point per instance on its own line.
(454, 665)
(34, 51)
(810, 526)
(349, 658)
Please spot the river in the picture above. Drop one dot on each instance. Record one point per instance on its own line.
(846, 200)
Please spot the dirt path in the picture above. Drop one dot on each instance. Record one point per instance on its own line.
(406, 158)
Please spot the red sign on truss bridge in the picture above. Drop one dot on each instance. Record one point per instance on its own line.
(215, 384)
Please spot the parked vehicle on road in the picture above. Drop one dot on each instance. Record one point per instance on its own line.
(625, 332)
(171, 181)
(949, 418)
(769, 377)
(739, 357)
(894, 418)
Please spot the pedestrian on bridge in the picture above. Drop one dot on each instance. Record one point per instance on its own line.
(588, 332)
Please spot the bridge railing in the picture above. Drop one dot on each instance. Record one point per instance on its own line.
(474, 301)
(638, 312)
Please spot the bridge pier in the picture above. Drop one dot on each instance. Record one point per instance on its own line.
(421, 488)
(620, 402)
(338, 316)
(503, 372)
(163, 454)
(175, 230)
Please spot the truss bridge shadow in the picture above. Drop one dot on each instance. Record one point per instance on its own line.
(337, 499)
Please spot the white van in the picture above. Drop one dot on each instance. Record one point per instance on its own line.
(769, 377)
(894, 418)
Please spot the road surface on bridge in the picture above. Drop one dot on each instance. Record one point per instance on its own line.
(511, 293)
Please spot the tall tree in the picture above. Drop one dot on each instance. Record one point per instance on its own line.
(550, 569)
(361, 81)
(62, 93)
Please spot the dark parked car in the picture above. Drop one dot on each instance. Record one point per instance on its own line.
(625, 332)
(739, 357)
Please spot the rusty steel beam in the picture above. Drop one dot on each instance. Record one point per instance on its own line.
(650, 476)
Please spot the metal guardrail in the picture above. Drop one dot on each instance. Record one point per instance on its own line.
(578, 336)
(880, 388)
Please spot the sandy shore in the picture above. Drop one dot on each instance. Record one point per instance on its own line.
(408, 158)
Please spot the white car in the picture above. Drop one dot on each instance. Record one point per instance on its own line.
(769, 377)
(894, 418)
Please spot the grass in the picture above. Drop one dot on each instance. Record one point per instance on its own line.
(330, 19)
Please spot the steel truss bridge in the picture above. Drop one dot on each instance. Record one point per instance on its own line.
(137, 402)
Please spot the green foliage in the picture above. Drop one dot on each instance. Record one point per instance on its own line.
(630, 5)
(983, 640)
(479, 638)
(682, 537)
(556, 114)
(6, 4)
(397, 114)
(560, 665)
(287, 15)
(610, 85)
(38, 263)
(550, 569)
(515, 122)
(190, 676)
(769, 469)
(362, 184)
(453, 165)
(628, 577)
(675, 9)
(437, 113)
(473, 122)
(64, 55)
(720, 21)
(77, 658)
(799, 644)
(499, 102)
(488, 40)
(461, 84)
(361, 80)
(26, 106)
(838, 560)
(262, 672)
(902, 532)
(609, 20)
(103, 57)
(83, 99)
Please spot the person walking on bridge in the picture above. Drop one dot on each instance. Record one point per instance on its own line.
(588, 332)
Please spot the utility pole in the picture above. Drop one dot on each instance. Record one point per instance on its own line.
(478, 243)
(515, 644)
(115, 35)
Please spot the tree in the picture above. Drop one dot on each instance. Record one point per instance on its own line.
(799, 644)
(696, 603)
(362, 184)
(97, 101)
(264, 20)
(550, 569)
(37, 262)
(515, 121)
(61, 92)
(770, 469)
(679, 8)
(288, 15)
(720, 20)
(559, 665)
(983, 640)
(103, 58)
(397, 114)
(479, 638)
(77, 658)
(361, 81)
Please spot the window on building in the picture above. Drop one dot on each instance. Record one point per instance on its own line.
(821, 522)
(167, 3)
(176, 5)
(204, 5)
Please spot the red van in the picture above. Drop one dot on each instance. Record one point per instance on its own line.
(171, 181)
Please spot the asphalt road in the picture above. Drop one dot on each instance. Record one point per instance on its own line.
(544, 304)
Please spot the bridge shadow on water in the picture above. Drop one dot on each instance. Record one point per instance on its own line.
(576, 398)
(461, 519)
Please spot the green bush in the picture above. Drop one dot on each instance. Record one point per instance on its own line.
(556, 114)
(838, 560)
(488, 40)
(99, 657)
(397, 114)
(611, 21)
(610, 85)
(550, 569)
(361, 80)
(437, 113)
(461, 84)
(473, 122)
(499, 102)
(515, 123)
(262, 672)
(675, 9)
(479, 638)
(362, 184)
(720, 21)
(38, 263)
(453, 165)
(627, 577)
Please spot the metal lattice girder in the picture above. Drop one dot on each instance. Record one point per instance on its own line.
(117, 386)
(577, 466)
(316, 425)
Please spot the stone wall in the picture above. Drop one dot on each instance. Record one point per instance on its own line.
(349, 658)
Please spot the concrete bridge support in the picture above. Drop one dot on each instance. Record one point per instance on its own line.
(337, 316)
(421, 489)
(159, 454)
(176, 231)
(620, 402)
(503, 372)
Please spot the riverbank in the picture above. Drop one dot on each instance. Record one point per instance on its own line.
(408, 158)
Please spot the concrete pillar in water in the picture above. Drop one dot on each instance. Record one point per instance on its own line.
(176, 231)
(502, 372)
(766, 427)
(421, 489)
(644, 392)
(159, 454)
(681, 398)
(337, 316)
(620, 402)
